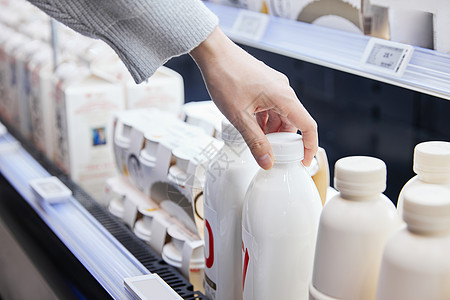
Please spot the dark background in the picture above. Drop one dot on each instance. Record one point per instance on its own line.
(355, 115)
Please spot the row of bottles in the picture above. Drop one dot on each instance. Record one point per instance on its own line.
(267, 236)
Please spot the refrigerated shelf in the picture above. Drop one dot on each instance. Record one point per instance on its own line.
(427, 72)
(104, 246)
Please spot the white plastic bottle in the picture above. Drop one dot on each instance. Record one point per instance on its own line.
(416, 262)
(353, 230)
(432, 166)
(279, 225)
(227, 180)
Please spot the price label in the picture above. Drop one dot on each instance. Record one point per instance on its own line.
(250, 25)
(386, 56)
(50, 189)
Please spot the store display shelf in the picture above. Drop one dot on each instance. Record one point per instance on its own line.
(427, 72)
(82, 234)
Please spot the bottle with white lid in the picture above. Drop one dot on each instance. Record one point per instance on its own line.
(280, 218)
(432, 166)
(354, 227)
(227, 180)
(416, 262)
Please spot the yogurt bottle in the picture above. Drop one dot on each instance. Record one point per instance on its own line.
(279, 225)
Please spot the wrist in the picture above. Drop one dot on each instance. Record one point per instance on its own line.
(212, 48)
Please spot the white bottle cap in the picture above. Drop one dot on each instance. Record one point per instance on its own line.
(230, 133)
(432, 157)
(426, 208)
(360, 175)
(286, 146)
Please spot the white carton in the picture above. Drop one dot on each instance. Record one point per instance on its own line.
(11, 101)
(42, 101)
(163, 90)
(441, 20)
(85, 105)
(23, 86)
(6, 35)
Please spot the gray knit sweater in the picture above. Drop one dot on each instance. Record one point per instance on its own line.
(144, 33)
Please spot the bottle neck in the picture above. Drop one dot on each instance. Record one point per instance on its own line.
(359, 196)
(436, 178)
(291, 163)
(428, 232)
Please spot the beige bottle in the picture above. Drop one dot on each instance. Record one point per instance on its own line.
(416, 262)
(432, 166)
(353, 229)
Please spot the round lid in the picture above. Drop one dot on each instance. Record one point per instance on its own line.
(432, 157)
(286, 146)
(427, 208)
(360, 175)
(148, 210)
(230, 133)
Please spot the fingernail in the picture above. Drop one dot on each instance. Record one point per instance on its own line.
(305, 163)
(264, 161)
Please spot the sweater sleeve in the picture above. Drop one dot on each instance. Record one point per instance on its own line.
(144, 33)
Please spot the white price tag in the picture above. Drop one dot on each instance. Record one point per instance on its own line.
(250, 24)
(386, 56)
(50, 189)
(151, 286)
(3, 130)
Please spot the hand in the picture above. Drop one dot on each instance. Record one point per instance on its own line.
(255, 98)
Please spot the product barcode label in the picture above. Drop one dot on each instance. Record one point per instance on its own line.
(251, 25)
(386, 56)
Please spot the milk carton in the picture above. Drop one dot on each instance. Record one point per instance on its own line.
(85, 105)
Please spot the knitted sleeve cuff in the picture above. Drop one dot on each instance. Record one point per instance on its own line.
(144, 33)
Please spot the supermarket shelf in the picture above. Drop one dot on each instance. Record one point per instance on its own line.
(427, 72)
(88, 231)
(93, 246)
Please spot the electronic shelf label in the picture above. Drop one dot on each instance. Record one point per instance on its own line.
(386, 56)
(251, 25)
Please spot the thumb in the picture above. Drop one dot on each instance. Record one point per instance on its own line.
(255, 139)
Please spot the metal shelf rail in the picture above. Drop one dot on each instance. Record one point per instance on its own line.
(427, 72)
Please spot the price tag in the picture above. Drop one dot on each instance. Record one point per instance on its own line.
(386, 56)
(151, 286)
(50, 189)
(250, 24)
(3, 130)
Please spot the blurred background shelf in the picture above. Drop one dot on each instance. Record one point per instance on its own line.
(428, 71)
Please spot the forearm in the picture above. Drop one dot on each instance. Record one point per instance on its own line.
(144, 33)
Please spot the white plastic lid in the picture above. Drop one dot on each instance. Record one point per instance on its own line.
(230, 133)
(360, 175)
(432, 157)
(173, 257)
(286, 146)
(426, 208)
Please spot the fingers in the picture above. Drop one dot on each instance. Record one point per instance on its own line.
(278, 123)
(301, 119)
(255, 139)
